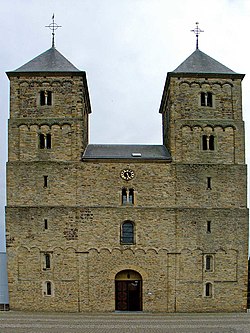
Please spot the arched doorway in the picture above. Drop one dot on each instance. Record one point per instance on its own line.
(128, 291)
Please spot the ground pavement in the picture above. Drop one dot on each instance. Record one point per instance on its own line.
(33, 322)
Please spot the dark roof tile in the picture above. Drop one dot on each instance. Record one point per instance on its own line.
(123, 151)
(49, 61)
(199, 62)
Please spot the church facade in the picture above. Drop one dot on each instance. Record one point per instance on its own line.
(154, 228)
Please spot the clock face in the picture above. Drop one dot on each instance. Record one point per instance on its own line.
(127, 174)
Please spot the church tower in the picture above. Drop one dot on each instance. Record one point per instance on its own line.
(202, 112)
(49, 109)
(48, 133)
(203, 130)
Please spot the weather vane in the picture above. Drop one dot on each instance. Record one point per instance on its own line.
(197, 32)
(53, 26)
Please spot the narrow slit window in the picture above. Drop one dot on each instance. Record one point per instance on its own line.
(45, 224)
(48, 290)
(209, 227)
(208, 263)
(209, 183)
(45, 181)
(47, 261)
(208, 289)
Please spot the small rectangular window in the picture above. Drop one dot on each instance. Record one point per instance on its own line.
(45, 224)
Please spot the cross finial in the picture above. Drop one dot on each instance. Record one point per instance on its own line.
(53, 26)
(197, 32)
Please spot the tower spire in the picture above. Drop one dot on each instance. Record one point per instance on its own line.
(197, 32)
(53, 26)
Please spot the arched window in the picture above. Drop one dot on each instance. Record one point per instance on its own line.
(206, 99)
(211, 142)
(41, 141)
(48, 288)
(209, 263)
(45, 97)
(131, 196)
(208, 289)
(127, 232)
(45, 141)
(207, 142)
(204, 142)
(124, 196)
(128, 196)
(48, 141)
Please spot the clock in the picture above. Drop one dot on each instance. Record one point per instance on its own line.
(127, 174)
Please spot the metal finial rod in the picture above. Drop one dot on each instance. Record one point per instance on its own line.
(197, 32)
(53, 26)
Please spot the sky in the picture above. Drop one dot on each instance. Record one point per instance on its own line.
(126, 48)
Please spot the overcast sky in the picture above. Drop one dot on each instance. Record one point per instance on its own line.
(126, 47)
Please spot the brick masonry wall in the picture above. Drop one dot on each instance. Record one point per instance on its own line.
(66, 119)
(76, 217)
(185, 120)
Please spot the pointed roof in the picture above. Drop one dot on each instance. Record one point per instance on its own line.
(199, 62)
(49, 61)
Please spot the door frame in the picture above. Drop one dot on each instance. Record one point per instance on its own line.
(127, 277)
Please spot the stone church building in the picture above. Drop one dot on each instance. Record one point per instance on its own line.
(107, 227)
